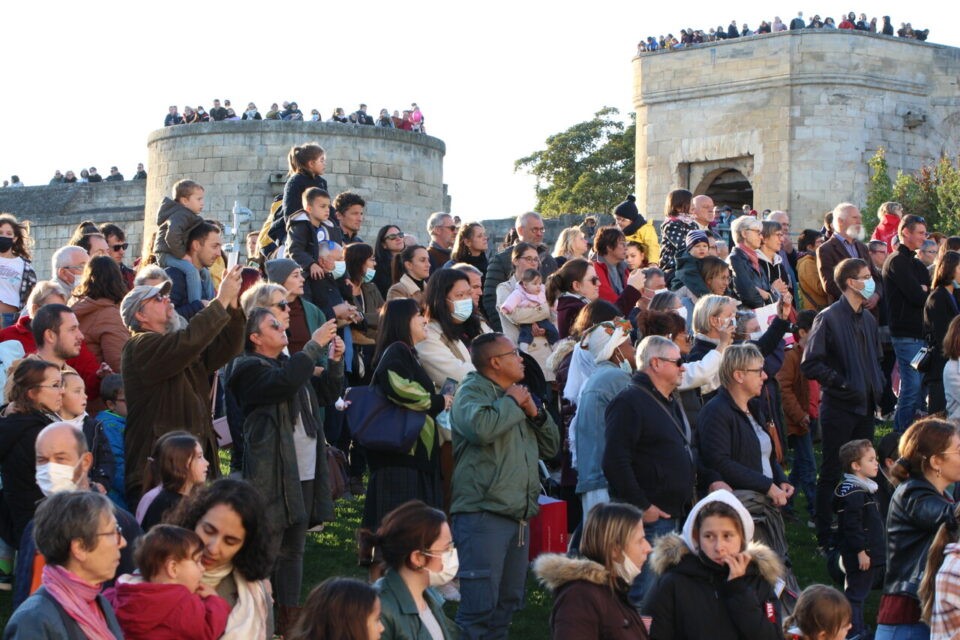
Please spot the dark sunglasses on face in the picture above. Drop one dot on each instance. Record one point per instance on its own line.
(282, 305)
(394, 236)
(120, 247)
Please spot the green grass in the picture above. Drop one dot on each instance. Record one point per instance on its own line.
(332, 552)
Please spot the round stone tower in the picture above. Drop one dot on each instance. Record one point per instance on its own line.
(399, 173)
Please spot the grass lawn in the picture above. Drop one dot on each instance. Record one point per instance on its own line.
(332, 552)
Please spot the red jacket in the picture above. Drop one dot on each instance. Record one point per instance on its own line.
(86, 364)
(887, 230)
(159, 611)
(626, 299)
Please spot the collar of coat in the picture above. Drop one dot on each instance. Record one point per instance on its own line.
(670, 549)
(555, 570)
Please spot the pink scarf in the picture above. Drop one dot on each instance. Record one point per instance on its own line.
(752, 254)
(79, 600)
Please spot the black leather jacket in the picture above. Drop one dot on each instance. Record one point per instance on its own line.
(916, 513)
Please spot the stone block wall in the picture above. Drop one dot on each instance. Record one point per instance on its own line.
(798, 113)
(54, 212)
(399, 173)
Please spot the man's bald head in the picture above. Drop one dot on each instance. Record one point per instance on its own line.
(62, 443)
(701, 207)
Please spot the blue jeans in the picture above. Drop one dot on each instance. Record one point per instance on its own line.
(644, 582)
(915, 631)
(493, 571)
(803, 475)
(195, 289)
(525, 335)
(857, 589)
(910, 380)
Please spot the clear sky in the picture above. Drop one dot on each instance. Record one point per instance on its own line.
(85, 82)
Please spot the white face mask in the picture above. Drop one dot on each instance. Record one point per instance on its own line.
(451, 564)
(55, 478)
(756, 335)
(628, 570)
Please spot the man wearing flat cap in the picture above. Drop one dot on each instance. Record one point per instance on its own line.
(167, 372)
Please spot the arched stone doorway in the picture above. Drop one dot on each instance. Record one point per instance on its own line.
(727, 187)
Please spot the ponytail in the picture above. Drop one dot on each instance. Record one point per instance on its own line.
(300, 156)
(946, 534)
(561, 281)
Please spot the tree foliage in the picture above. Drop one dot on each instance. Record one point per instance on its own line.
(880, 188)
(586, 169)
(932, 192)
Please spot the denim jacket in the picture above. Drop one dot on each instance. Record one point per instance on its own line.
(589, 424)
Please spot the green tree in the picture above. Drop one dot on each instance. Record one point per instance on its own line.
(880, 189)
(587, 168)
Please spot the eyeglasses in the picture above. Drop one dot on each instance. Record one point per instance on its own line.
(945, 453)
(118, 533)
(161, 297)
(514, 352)
(537, 229)
(448, 227)
(678, 362)
(120, 247)
(394, 236)
(760, 370)
(78, 268)
(438, 552)
(282, 305)
(530, 259)
(56, 385)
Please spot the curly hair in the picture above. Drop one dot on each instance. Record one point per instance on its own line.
(255, 559)
(21, 235)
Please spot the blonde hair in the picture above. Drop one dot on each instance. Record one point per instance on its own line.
(564, 246)
(946, 534)
(737, 357)
(607, 530)
(894, 208)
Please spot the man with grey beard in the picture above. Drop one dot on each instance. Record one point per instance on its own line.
(167, 373)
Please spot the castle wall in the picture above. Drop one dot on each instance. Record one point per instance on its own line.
(799, 113)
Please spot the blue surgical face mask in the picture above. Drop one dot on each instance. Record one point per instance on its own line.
(339, 268)
(463, 309)
(370, 275)
(869, 286)
(956, 285)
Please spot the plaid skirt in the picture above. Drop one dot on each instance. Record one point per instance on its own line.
(390, 487)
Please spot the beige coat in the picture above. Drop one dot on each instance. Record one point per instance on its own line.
(102, 329)
(405, 288)
(443, 358)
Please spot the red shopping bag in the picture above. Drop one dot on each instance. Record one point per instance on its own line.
(548, 529)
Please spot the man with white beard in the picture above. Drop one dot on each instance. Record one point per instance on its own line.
(846, 242)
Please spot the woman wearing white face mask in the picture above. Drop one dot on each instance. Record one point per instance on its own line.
(415, 544)
(591, 591)
(600, 368)
(360, 270)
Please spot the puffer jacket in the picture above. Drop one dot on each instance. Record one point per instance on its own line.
(585, 607)
(174, 224)
(692, 599)
(916, 512)
(645, 233)
(496, 448)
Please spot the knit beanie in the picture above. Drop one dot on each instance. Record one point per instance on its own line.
(627, 209)
(280, 269)
(696, 237)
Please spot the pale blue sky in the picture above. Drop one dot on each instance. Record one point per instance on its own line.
(85, 82)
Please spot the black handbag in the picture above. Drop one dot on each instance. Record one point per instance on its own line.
(924, 358)
(378, 424)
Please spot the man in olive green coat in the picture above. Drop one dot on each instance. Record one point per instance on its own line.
(167, 373)
(500, 431)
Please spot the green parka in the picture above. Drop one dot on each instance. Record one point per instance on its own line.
(497, 448)
(399, 614)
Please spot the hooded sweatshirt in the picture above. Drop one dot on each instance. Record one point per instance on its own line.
(159, 611)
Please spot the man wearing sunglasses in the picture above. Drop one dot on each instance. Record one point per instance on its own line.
(117, 246)
(442, 232)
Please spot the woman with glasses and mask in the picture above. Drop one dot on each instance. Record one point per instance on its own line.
(414, 545)
(78, 535)
(286, 459)
(396, 478)
(389, 243)
(359, 289)
(34, 397)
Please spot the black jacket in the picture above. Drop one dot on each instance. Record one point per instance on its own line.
(649, 458)
(939, 310)
(293, 193)
(746, 280)
(916, 513)
(104, 462)
(730, 446)
(692, 599)
(18, 469)
(860, 525)
(843, 355)
(903, 278)
(302, 245)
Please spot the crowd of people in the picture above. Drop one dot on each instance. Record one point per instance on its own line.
(86, 175)
(689, 37)
(667, 378)
(409, 120)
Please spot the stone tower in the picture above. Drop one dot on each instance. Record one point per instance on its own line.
(789, 120)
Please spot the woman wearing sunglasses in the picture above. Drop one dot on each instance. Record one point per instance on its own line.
(286, 459)
(576, 284)
(388, 244)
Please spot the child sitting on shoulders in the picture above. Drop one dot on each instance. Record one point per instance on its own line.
(167, 599)
(531, 294)
(860, 526)
(175, 219)
(687, 274)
